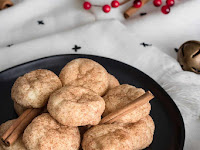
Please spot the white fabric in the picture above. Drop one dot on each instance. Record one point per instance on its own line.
(169, 31)
(19, 23)
(66, 24)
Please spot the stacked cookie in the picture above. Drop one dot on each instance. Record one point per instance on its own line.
(33, 89)
(79, 97)
(132, 131)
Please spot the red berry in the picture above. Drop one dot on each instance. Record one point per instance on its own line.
(165, 9)
(157, 3)
(86, 5)
(115, 4)
(170, 3)
(106, 8)
(137, 3)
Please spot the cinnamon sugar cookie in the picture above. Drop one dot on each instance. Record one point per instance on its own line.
(131, 136)
(86, 73)
(33, 89)
(120, 96)
(76, 106)
(113, 82)
(45, 133)
(18, 145)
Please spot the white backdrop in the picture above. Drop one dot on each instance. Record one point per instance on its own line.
(34, 29)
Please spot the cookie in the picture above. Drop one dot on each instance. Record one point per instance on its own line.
(18, 145)
(76, 106)
(19, 109)
(113, 82)
(120, 96)
(86, 73)
(34, 88)
(131, 136)
(45, 133)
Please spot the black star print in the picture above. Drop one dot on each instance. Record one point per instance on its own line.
(10, 45)
(143, 14)
(145, 45)
(40, 22)
(176, 49)
(76, 48)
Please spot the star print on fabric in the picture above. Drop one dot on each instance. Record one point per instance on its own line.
(40, 22)
(10, 45)
(145, 45)
(176, 49)
(143, 14)
(76, 48)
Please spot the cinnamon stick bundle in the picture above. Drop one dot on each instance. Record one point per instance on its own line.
(15, 130)
(132, 10)
(5, 4)
(112, 117)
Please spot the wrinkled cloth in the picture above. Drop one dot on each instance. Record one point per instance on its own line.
(33, 29)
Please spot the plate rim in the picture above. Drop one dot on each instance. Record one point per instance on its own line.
(118, 61)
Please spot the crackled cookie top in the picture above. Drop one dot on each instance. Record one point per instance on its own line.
(45, 133)
(76, 106)
(120, 96)
(34, 88)
(119, 136)
(86, 73)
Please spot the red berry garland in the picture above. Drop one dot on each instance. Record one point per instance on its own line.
(157, 3)
(106, 8)
(137, 3)
(115, 4)
(165, 9)
(86, 5)
(170, 3)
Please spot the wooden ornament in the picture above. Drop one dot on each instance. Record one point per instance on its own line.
(5, 4)
(189, 56)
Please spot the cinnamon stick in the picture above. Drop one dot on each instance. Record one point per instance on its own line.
(12, 134)
(5, 4)
(112, 117)
(15, 124)
(132, 10)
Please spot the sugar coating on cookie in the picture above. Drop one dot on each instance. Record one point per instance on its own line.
(18, 145)
(76, 106)
(144, 138)
(119, 97)
(45, 133)
(19, 109)
(120, 136)
(113, 82)
(34, 88)
(86, 73)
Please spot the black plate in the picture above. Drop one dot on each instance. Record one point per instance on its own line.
(169, 132)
